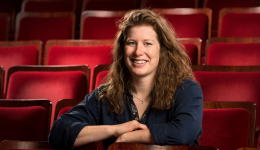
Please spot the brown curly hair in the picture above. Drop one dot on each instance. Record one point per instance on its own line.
(173, 67)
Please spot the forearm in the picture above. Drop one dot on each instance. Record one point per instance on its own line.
(91, 134)
(138, 136)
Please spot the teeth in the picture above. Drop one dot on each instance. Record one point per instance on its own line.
(139, 62)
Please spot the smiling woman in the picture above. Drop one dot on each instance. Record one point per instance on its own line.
(151, 96)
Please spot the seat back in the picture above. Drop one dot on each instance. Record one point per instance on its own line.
(140, 146)
(64, 105)
(25, 119)
(2, 83)
(45, 26)
(233, 51)
(239, 22)
(228, 125)
(14, 53)
(52, 83)
(92, 24)
(193, 49)
(4, 26)
(37, 145)
(189, 22)
(169, 4)
(229, 83)
(216, 6)
(100, 74)
(110, 5)
(48, 6)
(79, 52)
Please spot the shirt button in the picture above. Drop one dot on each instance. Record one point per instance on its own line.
(136, 118)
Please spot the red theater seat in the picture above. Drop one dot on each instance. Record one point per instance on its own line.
(230, 83)
(14, 53)
(228, 125)
(44, 26)
(99, 24)
(112, 5)
(169, 3)
(26, 119)
(189, 22)
(48, 5)
(233, 51)
(52, 83)
(64, 105)
(217, 5)
(239, 22)
(193, 49)
(79, 52)
(100, 74)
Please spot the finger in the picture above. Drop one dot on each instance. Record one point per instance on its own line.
(142, 126)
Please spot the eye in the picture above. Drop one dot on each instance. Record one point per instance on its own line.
(130, 43)
(147, 43)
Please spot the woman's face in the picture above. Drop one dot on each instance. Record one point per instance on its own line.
(142, 51)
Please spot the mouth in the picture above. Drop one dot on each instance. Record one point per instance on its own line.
(139, 61)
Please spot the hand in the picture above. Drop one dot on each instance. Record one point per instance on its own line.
(128, 127)
(138, 136)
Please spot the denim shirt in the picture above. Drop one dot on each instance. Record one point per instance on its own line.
(179, 125)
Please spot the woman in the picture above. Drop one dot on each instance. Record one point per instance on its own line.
(150, 96)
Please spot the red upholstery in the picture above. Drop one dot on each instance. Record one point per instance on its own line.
(48, 85)
(217, 5)
(22, 123)
(75, 55)
(225, 129)
(99, 28)
(230, 86)
(202, 60)
(4, 25)
(19, 55)
(192, 52)
(101, 78)
(115, 5)
(240, 25)
(48, 6)
(44, 27)
(63, 111)
(234, 54)
(169, 3)
(190, 26)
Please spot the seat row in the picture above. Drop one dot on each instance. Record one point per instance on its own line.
(78, 6)
(188, 23)
(219, 51)
(29, 120)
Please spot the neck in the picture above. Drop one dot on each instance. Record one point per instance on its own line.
(142, 87)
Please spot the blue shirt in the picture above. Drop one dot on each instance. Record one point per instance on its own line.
(179, 125)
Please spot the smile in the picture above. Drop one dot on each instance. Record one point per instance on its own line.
(139, 61)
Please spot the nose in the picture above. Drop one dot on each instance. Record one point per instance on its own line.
(139, 50)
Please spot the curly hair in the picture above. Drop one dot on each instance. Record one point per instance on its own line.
(173, 67)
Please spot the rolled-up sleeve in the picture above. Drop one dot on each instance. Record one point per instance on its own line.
(66, 128)
(185, 125)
